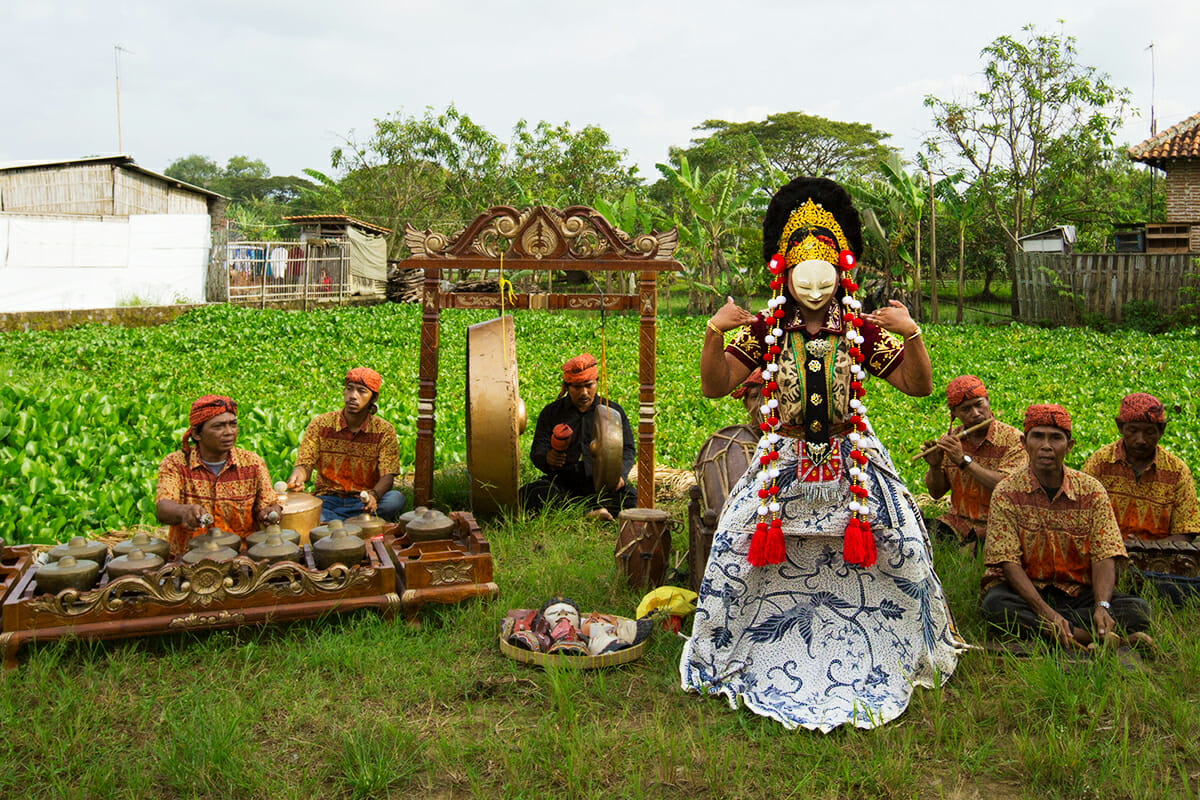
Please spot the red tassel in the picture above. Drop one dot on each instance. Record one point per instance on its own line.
(776, 263)
(758, 546)
(775, 548)
(858, 545)
(852, 548)
(846, 260)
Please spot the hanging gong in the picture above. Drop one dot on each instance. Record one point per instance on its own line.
(495, 415)
(607, 448)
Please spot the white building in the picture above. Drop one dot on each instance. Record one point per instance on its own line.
(99, 233)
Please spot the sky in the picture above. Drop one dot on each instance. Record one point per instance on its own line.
(286, 82)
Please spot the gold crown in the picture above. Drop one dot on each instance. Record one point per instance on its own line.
(806, 217)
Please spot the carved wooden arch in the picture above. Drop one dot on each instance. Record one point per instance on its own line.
(539, 238)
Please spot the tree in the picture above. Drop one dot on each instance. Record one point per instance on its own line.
(560, 166)
(1036, 98)
(195, 169)
(792, 143)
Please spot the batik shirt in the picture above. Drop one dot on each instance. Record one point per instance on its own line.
(345, 463)
(1159, 503)
(234, 497)
(1000, 451)
(1055, 541)
(881, 354)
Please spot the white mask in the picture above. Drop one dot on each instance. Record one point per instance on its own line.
(813, 283)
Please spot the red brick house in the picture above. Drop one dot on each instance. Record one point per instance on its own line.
(1176, 151)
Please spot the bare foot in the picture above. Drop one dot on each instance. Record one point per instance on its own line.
(600, 513)
(1141, 640)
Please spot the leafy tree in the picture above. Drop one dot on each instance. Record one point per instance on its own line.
(1037, 99)
(791, 143)
(1092, 186)
(195, 169)
(558, 166)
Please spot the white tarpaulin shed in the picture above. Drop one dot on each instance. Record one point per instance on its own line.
(59, 263)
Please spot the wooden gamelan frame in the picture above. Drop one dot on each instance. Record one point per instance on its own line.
(539, 238)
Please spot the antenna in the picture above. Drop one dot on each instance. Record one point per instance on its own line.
(1153, 131)
(117, 50)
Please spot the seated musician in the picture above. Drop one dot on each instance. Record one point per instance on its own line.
(351, 451)
(1151, 490)
(970, 467)
(561, 446)
(1051, 547)
(213, 478)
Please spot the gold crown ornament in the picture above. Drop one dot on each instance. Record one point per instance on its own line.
(823, 238)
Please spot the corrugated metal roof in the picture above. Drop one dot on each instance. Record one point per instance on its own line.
(339, 219)
(120, 160)
(1178, 141)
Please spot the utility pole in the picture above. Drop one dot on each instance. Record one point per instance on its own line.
(117, 50)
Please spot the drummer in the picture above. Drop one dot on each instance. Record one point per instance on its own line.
(561, 446)
(970, 467)
(212, 478)
(354, 454)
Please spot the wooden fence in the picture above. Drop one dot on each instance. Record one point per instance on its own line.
(1057, 289)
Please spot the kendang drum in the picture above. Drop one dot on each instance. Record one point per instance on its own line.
(721, 461)
(643, 546)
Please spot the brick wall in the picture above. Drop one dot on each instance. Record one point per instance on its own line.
(1183, 195)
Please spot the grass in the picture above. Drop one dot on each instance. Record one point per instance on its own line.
(352, 706)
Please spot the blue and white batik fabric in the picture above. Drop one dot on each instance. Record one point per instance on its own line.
(813, 642)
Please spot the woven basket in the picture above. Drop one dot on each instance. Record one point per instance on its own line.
(631, 653)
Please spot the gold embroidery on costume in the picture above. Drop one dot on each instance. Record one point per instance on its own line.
(747, 342)
(886, 351)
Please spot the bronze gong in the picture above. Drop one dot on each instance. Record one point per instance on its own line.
(607, 448)
(495, 415)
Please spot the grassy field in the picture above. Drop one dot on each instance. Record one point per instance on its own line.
(356, 707)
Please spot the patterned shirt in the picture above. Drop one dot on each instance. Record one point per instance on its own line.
(1159, 503)
(345, 463)
(1055, 541)
(1000, 451)
(234, 497)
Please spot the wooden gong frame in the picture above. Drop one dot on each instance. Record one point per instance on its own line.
(539, 238)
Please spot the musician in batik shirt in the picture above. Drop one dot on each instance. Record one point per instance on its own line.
(970, 466)
(1151, 490)
(353, 453)
(1052, 546)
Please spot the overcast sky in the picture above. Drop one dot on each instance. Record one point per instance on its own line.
(288, 81)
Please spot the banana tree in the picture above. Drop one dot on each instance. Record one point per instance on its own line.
(712, 225)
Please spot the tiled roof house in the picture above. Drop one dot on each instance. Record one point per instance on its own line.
(1176, 151)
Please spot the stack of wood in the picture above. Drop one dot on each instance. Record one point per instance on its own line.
(405, 285)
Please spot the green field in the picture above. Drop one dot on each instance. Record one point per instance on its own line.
(355, 707)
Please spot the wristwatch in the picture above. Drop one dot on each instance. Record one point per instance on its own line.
(966, 462)
(1103, 604)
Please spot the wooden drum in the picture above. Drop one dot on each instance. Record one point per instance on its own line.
(721, 462)
(643, 547)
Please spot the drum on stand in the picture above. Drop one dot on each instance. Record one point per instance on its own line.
(643, 546)
(495, 415)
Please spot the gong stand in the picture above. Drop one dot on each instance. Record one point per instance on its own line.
(539, 238)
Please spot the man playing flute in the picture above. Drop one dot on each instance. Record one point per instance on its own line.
(970, 467)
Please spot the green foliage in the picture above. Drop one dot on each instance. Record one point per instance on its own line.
(712, 218)
(1040, 116)
(786, 145)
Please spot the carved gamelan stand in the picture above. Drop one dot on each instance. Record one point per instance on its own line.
(539, 238)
